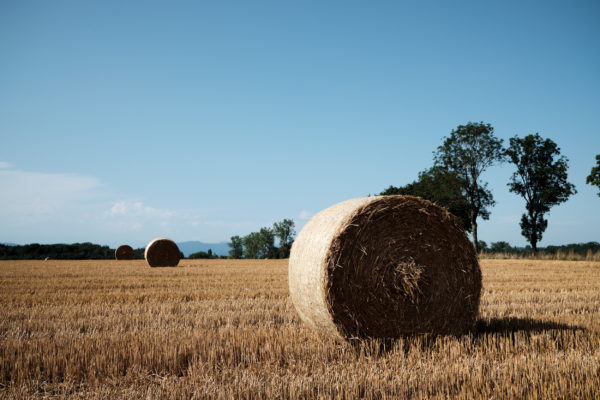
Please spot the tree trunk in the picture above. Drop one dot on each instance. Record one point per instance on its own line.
(534, 236)
(474, 227)
(534, 240)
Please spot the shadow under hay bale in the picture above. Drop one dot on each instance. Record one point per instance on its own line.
(124, 252)
(516, 331)
(512, 324)
(385, 267)
(162, 252)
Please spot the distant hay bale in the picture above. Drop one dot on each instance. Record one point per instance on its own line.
(162, 252)
(383, 267)
(124, 252)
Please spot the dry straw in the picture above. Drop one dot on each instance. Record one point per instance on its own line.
(383, 267)
(162, 252)
(124, 252)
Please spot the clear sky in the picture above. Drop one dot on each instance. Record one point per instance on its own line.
(123, 121)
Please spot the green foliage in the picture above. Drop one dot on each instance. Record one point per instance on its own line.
(500, 247)
(251, 245)
(75, 251)
(441, 187)
(284, 232)
(577, 248)
(594, 177)
(138, 253)
(541, 179)
(237, 247)
(203, 255)
(581, 249)
(261, 244)
(468, 152)
(482, 245)
(266, 244)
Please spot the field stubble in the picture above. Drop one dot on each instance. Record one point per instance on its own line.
(226, 329)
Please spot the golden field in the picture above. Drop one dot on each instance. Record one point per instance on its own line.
(225, 329)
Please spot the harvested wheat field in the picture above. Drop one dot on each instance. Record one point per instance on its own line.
(226, 329)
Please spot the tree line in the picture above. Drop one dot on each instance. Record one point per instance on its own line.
(90, 251)
(75, 251)
(580, 249)
(204, 255)
(454, 181)
(261, 244)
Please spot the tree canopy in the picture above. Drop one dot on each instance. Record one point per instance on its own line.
(252, 245)
(261, 244)
(61, 251)
(284, 232)
(541, 179)
(468, 152)
(203, 255)
(237, 247)
(442, 187)
(594, 176)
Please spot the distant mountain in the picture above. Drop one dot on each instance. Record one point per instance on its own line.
(187, 248)
(10, 244)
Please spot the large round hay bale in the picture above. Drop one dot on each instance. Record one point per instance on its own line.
(384, 267)
(162, 252)
(124, 252)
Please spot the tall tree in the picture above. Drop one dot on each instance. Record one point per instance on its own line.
(266, 244)
(541, 179)
(260, 244)
(252, 245)
(284, 232)
(237, 247)
(442, 187)
(594, 177)
(468, 152)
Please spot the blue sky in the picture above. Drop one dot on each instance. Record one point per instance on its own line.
(123, 121)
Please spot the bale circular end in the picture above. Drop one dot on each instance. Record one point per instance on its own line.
(383, 267)
(162, 252)
(124, 252)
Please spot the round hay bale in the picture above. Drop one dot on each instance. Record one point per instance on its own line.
(162, 252)
(124, 252)
(384, 267)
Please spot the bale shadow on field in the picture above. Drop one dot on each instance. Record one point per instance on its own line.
(516, 329)
(522, 330)
(513, 324)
